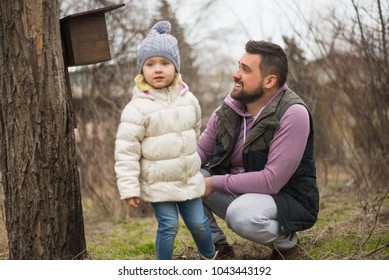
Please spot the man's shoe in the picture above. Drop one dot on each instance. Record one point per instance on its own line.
(296, 253)
(225, 251)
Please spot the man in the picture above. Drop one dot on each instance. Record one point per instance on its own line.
(257, 153)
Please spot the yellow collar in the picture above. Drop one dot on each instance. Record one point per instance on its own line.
(141, 83)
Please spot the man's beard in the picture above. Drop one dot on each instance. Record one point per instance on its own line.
(248, 97)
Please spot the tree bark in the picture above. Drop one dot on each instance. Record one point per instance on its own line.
(37, 160)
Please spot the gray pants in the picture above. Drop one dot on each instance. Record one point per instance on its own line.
(251, 216)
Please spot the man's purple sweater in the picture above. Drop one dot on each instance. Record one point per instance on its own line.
(285, 151)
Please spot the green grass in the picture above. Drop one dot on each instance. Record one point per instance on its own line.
(132, 240)
(338, 239)
(342, 231)
(350, 247)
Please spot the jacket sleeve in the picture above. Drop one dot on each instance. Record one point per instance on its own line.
(128, 152)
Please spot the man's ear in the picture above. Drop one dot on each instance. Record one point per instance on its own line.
(270, 81)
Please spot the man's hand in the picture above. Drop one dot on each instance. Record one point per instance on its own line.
(133, 201)
(208, 187)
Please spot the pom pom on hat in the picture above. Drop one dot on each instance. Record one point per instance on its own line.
(159, 42)
(163, 27)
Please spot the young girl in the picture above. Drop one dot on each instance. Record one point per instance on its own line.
(155, 148)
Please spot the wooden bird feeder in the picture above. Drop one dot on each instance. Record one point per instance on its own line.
(85, 37)
(84, 41)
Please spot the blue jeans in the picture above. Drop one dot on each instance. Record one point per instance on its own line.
(192, 212)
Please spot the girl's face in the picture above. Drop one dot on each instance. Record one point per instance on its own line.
(158, 72)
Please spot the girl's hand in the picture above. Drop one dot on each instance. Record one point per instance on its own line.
(133, 201)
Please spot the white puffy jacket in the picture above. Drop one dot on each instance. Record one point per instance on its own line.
(155, 147)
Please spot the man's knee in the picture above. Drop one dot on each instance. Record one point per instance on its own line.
(237, 218)
(247, 222)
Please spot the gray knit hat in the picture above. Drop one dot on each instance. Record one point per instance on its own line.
(159, 42)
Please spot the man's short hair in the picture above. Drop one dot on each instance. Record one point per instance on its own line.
(273, 59)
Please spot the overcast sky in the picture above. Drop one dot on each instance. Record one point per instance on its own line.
(220, 32)
(234, 22)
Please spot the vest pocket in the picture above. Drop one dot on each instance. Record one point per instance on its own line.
(255, 160)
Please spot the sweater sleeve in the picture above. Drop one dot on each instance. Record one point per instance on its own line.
(285, 153)
(207, 140)
(128, 152)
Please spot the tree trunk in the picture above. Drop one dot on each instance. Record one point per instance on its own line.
(37, 160)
